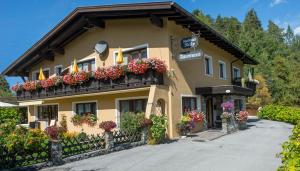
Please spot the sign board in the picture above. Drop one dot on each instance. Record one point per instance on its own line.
(189, 42)
(190, 55)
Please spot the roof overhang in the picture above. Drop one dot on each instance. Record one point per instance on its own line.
(83, 18)
(224, 90)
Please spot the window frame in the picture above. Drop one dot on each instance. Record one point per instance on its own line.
(234, 67)
(35, 110)
(33, 76)
(74, 106)
(206, 56)
(198, 101)
(146, 46)
(117, 107)
(55, 69)
(224, 70)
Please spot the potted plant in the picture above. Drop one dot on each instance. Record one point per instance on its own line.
(197, 119)
(184, 126)
(159, 67)
(18, 88)
(102, 77)
(69, 82)
(242, 118)
(108, 126)
(115, 73)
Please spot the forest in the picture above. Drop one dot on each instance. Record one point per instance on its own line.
(276, 49)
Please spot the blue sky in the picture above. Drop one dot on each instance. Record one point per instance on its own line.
(22, 23)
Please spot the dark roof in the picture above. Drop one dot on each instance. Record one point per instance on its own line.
(82, 18)
(221, 90)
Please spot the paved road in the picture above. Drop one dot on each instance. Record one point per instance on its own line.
(251, 150)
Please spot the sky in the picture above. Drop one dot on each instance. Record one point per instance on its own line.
(22, 23)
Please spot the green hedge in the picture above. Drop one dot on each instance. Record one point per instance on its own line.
(280, 113)
(290, 154)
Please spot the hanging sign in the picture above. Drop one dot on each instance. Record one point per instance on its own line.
(197, 54)
(189, 42)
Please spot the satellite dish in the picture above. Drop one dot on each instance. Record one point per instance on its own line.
(101, 47)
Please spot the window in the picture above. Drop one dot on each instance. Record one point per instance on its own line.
(208, 65)
(189, 104)
(133, 53)
(236, 73)
(47, 112)
(85, 108)
(134, 105)
(35, 74)
(222, 70)
(58, 69)
(87, 65)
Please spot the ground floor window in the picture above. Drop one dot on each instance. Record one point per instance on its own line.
(47, 112)
(133, 105)
(238, 105)
(85, 108)
(189, 104)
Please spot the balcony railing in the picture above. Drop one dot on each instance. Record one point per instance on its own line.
(128, 81)
(247, 84)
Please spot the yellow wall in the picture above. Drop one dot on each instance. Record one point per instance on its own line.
(106, 109)
(184, 76)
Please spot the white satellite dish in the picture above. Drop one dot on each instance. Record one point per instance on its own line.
(101, 47)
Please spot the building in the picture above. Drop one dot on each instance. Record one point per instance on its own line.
(204, 68)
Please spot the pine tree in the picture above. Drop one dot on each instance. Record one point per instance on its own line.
(252, 22)
(207, 19)
(275, 31)
(289, 36)
(4, 87)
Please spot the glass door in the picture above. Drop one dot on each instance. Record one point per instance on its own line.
(47, 113)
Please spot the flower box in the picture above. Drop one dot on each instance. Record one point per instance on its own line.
(58, 90)
(242, 125)
(198, 126)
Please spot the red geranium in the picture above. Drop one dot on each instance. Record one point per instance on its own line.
(138, 66)
(115, 72)
(69, 79)
(107, 126)
(50, 82)
(17, 87)
(101, 74)
(157, 64)
(81, 77)
(242, 116)
(31, 85)
(196, 116)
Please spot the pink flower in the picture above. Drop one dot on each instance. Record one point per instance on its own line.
(101, 74)
(227, 105)
(69, 79)
(138, 66)
(157, 65)
(115, 72)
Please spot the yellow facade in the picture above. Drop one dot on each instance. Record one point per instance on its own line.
(182, 78)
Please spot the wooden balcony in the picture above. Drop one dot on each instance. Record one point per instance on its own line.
(248, 84)
(128, 81)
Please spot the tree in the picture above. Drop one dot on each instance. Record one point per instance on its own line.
(252, 22)
(289, 36)
(262, 95)
(4, 87)
(275, 31)
(207, 19)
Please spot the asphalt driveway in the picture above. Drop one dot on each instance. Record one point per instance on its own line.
(252, 149)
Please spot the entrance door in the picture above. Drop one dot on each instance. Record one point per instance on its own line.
(209, 112)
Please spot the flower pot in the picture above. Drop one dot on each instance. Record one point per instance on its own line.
(104, 84)
(58, 90)
(133, 78)
(242, 125)
(198, 126)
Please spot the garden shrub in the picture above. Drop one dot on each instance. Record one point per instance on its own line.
(291, 151)
(8, 114)
(158, 128)
(280, 113)
(131, 122)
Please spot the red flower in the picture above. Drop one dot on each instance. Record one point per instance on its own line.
(107, 126)
(138, 66)
(196, 116)
(81, 77)
(115, 72)
(17, 87)
(69, 79)
(50, 82)
(31, 85)
(101, 74)
(157, 64)
(242, 116)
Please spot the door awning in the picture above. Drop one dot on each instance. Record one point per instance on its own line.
(224, 90)
(31, 103)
